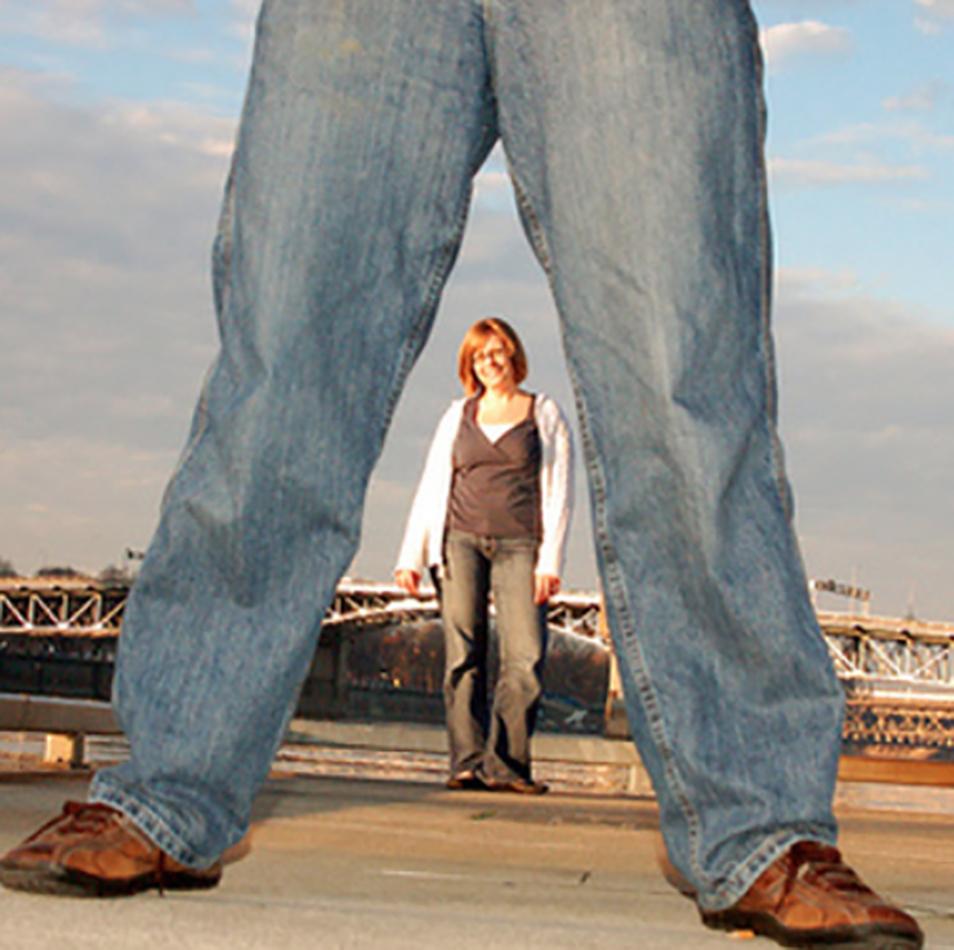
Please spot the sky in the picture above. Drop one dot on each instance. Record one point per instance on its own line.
(117, 119)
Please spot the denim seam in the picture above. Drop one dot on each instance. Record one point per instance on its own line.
(767, 352)
(150, 823)
(614, 578)
(534, 228)
(200, 428)
(752, 867)
(486, 15)
(641, 678)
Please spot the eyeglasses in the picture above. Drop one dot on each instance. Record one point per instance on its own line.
(498, 354)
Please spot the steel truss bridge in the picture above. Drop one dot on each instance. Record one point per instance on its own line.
(82, 609)
(898, 674)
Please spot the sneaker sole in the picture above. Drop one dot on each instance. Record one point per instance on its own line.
(859, 937)
(63, 882)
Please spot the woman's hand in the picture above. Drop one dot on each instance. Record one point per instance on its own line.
(544, 587)
(409, 581)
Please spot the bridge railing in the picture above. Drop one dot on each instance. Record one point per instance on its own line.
(873, 652)
(80, 608)
(77, 609)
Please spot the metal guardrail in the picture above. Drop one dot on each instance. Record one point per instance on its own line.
(66, 723)
(24, 712)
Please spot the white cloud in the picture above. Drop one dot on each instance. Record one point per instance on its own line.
(109, 214)
(194, 56)
(81, 22)
(865, 395)
(912, 133)
(921, 98)
(243, 13)
(802, 172)
(808, 37)
(245, 8)
(77, 500)
(175, 125)
(492, 180)
(795, 281)
(926, 26)
(935, 12)
(492, 190)
(104, 255)
(492, 187)
(943, 8)
(937, 207)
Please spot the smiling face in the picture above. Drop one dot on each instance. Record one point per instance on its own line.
(493, 365)
(491, 356)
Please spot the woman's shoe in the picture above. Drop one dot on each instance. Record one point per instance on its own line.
(521, 786)
(466, 781)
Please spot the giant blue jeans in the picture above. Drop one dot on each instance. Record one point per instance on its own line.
(633, 131)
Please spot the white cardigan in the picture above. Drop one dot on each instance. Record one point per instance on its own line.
(424, 534)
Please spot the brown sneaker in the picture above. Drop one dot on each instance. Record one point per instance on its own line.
(95, 851)
(809, 897)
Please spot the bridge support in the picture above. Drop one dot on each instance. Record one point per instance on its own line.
(65, 749)
(615, 723)
(324, 694)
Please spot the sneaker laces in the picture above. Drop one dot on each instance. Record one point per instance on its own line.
(92, 818)
(79, 818)
(823, 862)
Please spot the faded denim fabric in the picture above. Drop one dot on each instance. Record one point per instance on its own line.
(498, 744)
(634, 132)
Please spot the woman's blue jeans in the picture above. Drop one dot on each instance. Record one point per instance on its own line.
(494, 741)
(634, 135)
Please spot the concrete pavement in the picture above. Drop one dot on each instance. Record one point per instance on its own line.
(358, 863)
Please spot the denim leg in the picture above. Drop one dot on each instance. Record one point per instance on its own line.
(634, 130)
(522, 640)
(363, 125)
(465, 587)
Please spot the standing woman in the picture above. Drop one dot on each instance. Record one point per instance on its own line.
(492, 511)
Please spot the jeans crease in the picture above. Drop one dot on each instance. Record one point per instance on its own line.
(420, 329)
(615, 584)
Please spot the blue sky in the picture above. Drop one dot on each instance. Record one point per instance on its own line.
(875, 102)
(117, 118)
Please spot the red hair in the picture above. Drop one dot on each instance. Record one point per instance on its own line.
(476, 338)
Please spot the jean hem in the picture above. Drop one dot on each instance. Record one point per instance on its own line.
(733, 888)
(150, 823)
